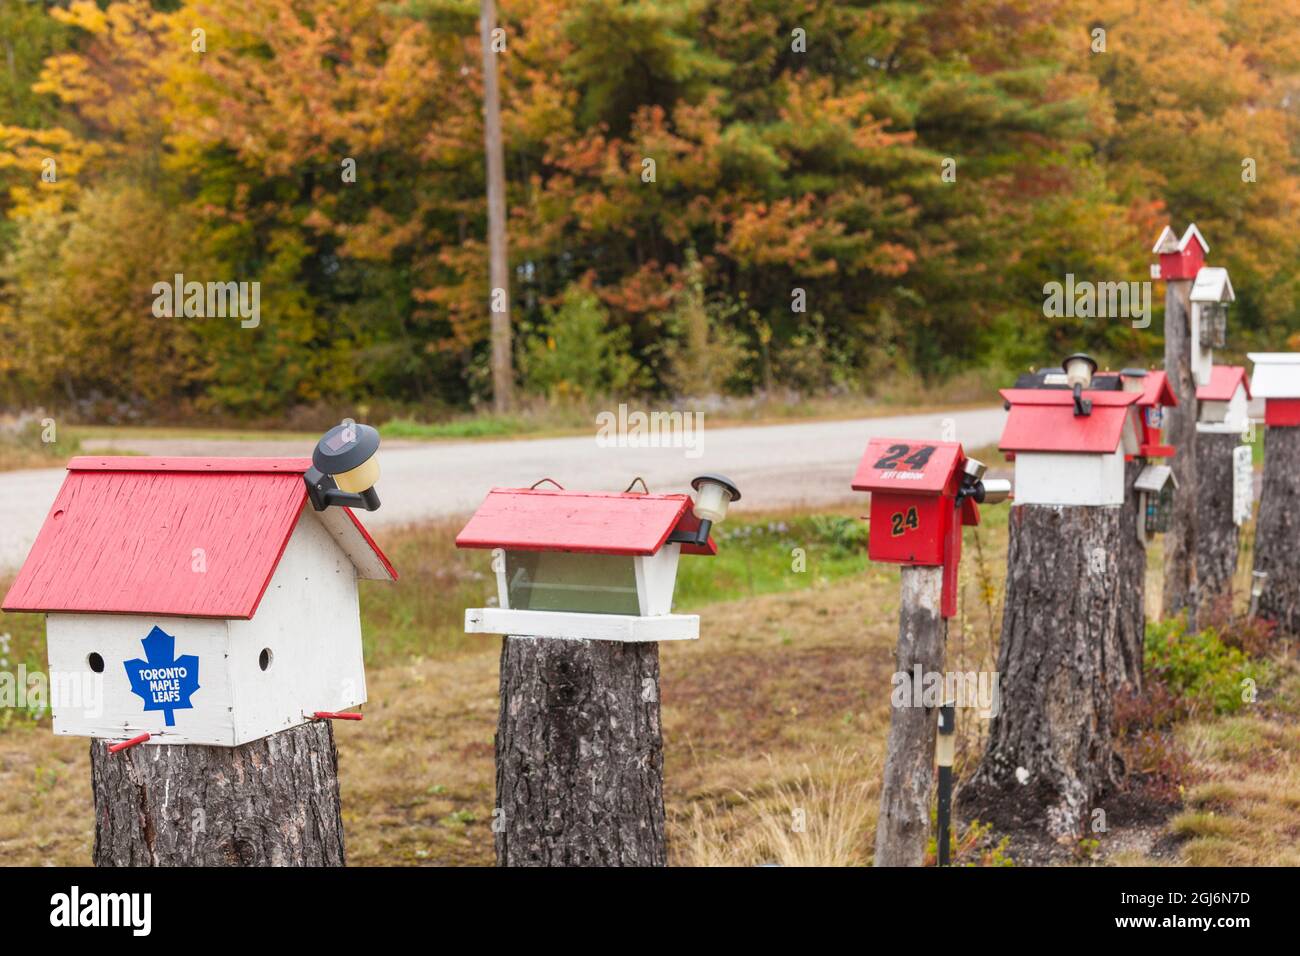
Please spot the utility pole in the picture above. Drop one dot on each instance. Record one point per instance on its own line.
(499, 264)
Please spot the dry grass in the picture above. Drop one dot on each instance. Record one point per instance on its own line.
(782, 705)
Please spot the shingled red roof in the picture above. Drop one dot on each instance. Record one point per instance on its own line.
(1156, 390)
(121, 536)
(1043, 420)
(1223, 383)
(545, 519)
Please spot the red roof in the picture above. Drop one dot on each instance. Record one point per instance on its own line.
(1156, 390)
(546, 519)
(907, 466)
(121, 535)
(1043, 420)
(1224, 380)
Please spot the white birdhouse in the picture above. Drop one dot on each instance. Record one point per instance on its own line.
(1211, 293)
(572, 564)
(1223, 403)
(1276, 383)
(1069, 443)
(197, 600)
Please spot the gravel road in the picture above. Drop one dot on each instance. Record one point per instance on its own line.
(801, 463)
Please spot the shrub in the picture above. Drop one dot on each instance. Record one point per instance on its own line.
(577, 356)
(1199, 668)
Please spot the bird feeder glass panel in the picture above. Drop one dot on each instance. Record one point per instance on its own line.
(1214, 325)
(571, 581)
(1160, 509)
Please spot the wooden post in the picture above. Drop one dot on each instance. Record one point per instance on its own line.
(1277, 530)
(579, 754)
(1131, 596)
(1181, 583)
(1217, 534)
(904, 823)
(498, 260)
(1049, 756)
(272, 802)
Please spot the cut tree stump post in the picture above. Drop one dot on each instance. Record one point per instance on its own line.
(1277, 530)
(1217, 534)
(1180, 547)
(1049, 755)
(904, 823)
(579, 754)
(271, 802)
(1131, 597)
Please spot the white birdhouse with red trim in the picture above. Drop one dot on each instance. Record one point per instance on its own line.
(595, 565)
(1223, 403)
(1070, 432)
(198, 600)
(1276, 383)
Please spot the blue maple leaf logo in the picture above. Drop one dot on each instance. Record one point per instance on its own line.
(164, 681)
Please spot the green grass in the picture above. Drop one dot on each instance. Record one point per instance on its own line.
(485, 426)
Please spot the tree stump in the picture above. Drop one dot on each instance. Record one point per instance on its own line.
(271, 802)
(1049, 756)
(1277, 530)
(1217, 534)
(579, 754)
(1180, 589)
(904, 823)
(1131, 595)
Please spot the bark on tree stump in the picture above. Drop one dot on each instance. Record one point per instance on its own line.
(1180, 588)
(579, 754)
(1049, 756)
(1217, 535)
(271, 802)
(1277, 530)
(1131, 595)
(904, 823)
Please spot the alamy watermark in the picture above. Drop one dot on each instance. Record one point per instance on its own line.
(977, 690)
(638, 429)
(1098, 300)
(212, 300)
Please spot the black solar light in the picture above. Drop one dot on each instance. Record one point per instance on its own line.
(713, 494)
(344, 468)
(1079, 368)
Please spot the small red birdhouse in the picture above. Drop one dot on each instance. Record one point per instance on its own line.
(1180, 258)
(922, 493)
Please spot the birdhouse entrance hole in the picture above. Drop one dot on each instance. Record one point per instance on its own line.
(264, 659)
(95, 661)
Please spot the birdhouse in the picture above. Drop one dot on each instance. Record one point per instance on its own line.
(1154, 396)
(1277, 382)
(1222, 403)
(1155, 486)
(1211, 293)
(922, 493)
(1179, 258)
(1070, 439)
(197, 600)
(577, 564)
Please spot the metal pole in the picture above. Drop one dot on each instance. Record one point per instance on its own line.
(944, 751)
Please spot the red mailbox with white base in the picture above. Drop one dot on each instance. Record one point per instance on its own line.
(1277, 385)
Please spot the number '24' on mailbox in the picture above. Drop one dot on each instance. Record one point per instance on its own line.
(917, 509)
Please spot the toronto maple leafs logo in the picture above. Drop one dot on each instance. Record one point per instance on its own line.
(163, 680)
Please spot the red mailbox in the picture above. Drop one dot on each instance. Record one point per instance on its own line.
(922, 493)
